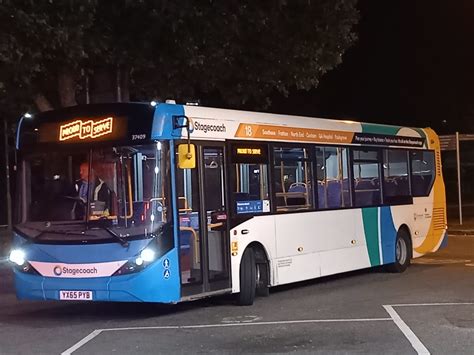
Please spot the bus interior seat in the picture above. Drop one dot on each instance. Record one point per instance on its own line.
(367, 192)
(321, 195)
(299, 200)
(419, 185)
(346, 192)
(390, 187)
(334, 193)
(402, 183)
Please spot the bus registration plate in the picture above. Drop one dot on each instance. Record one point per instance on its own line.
(75, 295)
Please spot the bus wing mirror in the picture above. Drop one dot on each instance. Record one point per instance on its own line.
(186, 156)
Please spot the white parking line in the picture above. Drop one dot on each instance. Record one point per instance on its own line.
(82, 342)
(428, 261)
(96, 332)
(409, 334)
(432, 304)
(412, 338)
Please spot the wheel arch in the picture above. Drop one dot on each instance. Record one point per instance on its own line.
(261, 255)
(261, 252)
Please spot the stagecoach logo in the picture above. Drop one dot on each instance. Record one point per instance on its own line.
(68, 271)
(86, 129)
(203, 127)
(58, 270)
(77, 270)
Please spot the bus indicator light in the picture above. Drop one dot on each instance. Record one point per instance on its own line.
(234, 248)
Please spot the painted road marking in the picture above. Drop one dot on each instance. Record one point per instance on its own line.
(96, 332)
(432, 304)
(409, 334)
(427, 261)
(82, 342)
(412, 338)
(241, 319)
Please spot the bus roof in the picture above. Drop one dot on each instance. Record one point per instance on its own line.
(140, 122)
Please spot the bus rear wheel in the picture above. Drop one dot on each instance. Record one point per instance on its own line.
(402, 252)
(248, 278)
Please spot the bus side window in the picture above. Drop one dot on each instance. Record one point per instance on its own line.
(250, 188)
(292, 176)
(332, 177)
(396, 187)
(422, 172)
(366, 177)
(249, 178)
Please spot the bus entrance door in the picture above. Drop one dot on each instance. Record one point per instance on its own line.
(204, 258)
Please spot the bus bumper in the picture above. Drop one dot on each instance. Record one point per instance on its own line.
(153, 284)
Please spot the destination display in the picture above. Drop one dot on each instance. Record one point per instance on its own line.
(117, 123)
(271, 132)
(249, 153)
(84, 130)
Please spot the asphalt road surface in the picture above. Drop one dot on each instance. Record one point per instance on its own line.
(427, 309)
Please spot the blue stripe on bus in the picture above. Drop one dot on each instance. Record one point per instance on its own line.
(388, 235)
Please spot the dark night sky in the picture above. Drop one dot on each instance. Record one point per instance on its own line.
(412, 65)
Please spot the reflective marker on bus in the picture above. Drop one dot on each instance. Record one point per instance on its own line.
(168, 203)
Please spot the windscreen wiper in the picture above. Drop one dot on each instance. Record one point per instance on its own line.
(62, 232)
(123, 242)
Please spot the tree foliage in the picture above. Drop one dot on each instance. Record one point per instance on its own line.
(239, 50)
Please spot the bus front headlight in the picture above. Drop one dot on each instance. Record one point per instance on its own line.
(140, 262)
(17, 256)
(148, 255)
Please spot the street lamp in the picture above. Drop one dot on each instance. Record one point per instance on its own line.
(18, 128)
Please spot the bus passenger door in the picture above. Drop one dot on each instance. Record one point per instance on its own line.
(204, 260)
(216, 238)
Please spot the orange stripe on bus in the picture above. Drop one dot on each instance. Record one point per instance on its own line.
(248, 130)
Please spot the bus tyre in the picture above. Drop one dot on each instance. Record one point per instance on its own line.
(248, 277)
(402, 252)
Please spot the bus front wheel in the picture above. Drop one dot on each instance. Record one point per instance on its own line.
(402, 252)
(248, 278)
(262, 275)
